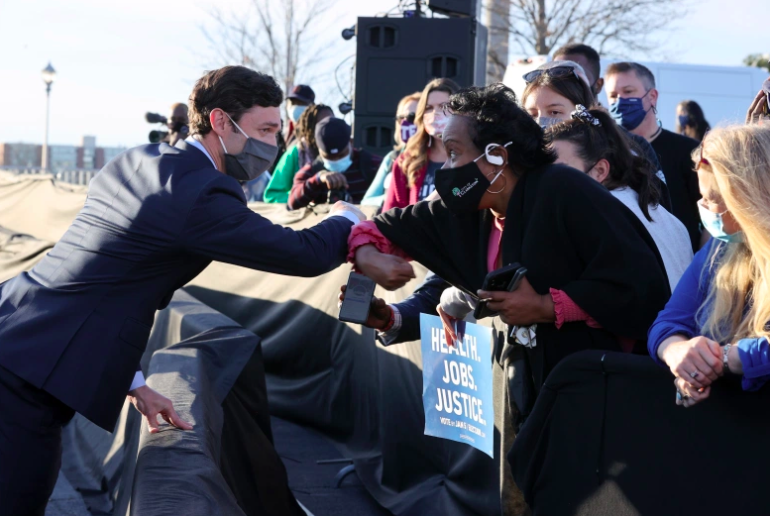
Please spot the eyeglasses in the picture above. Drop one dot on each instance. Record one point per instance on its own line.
(408, 117)
(556, 72)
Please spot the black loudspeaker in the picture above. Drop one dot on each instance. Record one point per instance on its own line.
(398, 56)
(453, 7)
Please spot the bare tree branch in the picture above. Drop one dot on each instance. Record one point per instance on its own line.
(270, 35)
(540, 26)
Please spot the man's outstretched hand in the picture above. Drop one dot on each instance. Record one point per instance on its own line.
(341, 206)
(150, 403)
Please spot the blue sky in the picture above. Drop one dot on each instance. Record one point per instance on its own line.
(117, 60)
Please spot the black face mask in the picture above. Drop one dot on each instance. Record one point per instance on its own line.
(255, 158)
(462, 188)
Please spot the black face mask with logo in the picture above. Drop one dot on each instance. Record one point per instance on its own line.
(462, 188)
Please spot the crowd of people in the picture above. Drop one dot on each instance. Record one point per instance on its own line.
(674, 270)
(667, 271)
(636, 239)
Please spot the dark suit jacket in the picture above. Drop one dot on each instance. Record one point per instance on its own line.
(77, 324)
(423, 300)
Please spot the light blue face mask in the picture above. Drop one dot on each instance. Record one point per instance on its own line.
(340, 165)
(547, 121)
(715, 226)
(295, 112)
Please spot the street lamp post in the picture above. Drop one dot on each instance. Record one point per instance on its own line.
(48, 75)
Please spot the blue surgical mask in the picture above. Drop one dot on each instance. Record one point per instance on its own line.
(683, 121)
(295, 112)
(629, 112)
(340, 165)
(547, 121)
(715, 226)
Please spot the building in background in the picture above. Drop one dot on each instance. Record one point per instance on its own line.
(20, 155)
(87, 156)
(62, 157)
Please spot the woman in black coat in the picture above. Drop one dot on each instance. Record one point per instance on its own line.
(595, 279)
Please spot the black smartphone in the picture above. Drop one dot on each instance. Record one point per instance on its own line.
(358, 299)
(507, 279)
(766, 89)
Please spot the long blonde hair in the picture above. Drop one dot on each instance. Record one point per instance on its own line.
(739, 296)
(416, 152)
(414, 97)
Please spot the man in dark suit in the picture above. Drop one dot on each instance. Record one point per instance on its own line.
(72, 330)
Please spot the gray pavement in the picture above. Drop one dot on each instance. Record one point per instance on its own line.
(65, 501)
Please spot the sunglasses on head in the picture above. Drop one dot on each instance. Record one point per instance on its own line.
(702, 160)
(409, 117)
(555, 73)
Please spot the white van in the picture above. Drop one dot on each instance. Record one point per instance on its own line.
(724, 92)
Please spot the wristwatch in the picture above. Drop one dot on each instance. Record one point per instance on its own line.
(725, 353)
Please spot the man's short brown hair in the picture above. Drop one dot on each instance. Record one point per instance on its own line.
(234, 90)
(641, 71)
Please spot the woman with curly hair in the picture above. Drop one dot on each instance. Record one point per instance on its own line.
(301, 153)
(595, 279)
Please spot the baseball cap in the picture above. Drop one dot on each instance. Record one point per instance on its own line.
(302, 92)
(332, 135)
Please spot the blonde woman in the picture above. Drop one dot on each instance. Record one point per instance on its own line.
(716, 323)
(405, 129)
(415, 169)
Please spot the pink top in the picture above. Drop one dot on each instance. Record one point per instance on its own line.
(399, 194)
(493, 248)
(566, 310)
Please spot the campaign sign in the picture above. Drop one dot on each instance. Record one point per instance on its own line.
(457, 384)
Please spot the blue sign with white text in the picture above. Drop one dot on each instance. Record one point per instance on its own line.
(457, 384)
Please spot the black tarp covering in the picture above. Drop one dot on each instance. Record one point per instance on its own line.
(606, 438)
(321, 373)
(368, 399)
(212, 369)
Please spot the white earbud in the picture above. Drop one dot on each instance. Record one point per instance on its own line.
(491, 158)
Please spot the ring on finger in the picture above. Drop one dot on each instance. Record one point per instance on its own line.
(694, 374)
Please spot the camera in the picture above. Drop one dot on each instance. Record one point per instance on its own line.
(154, 118)
(176, 125)
(339, 194)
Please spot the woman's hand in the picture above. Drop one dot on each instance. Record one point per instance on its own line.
(687, 395)
(697, 361)
(379, 311)
(758, 108)
(449, 326)
(522, 307)
(388, 271)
